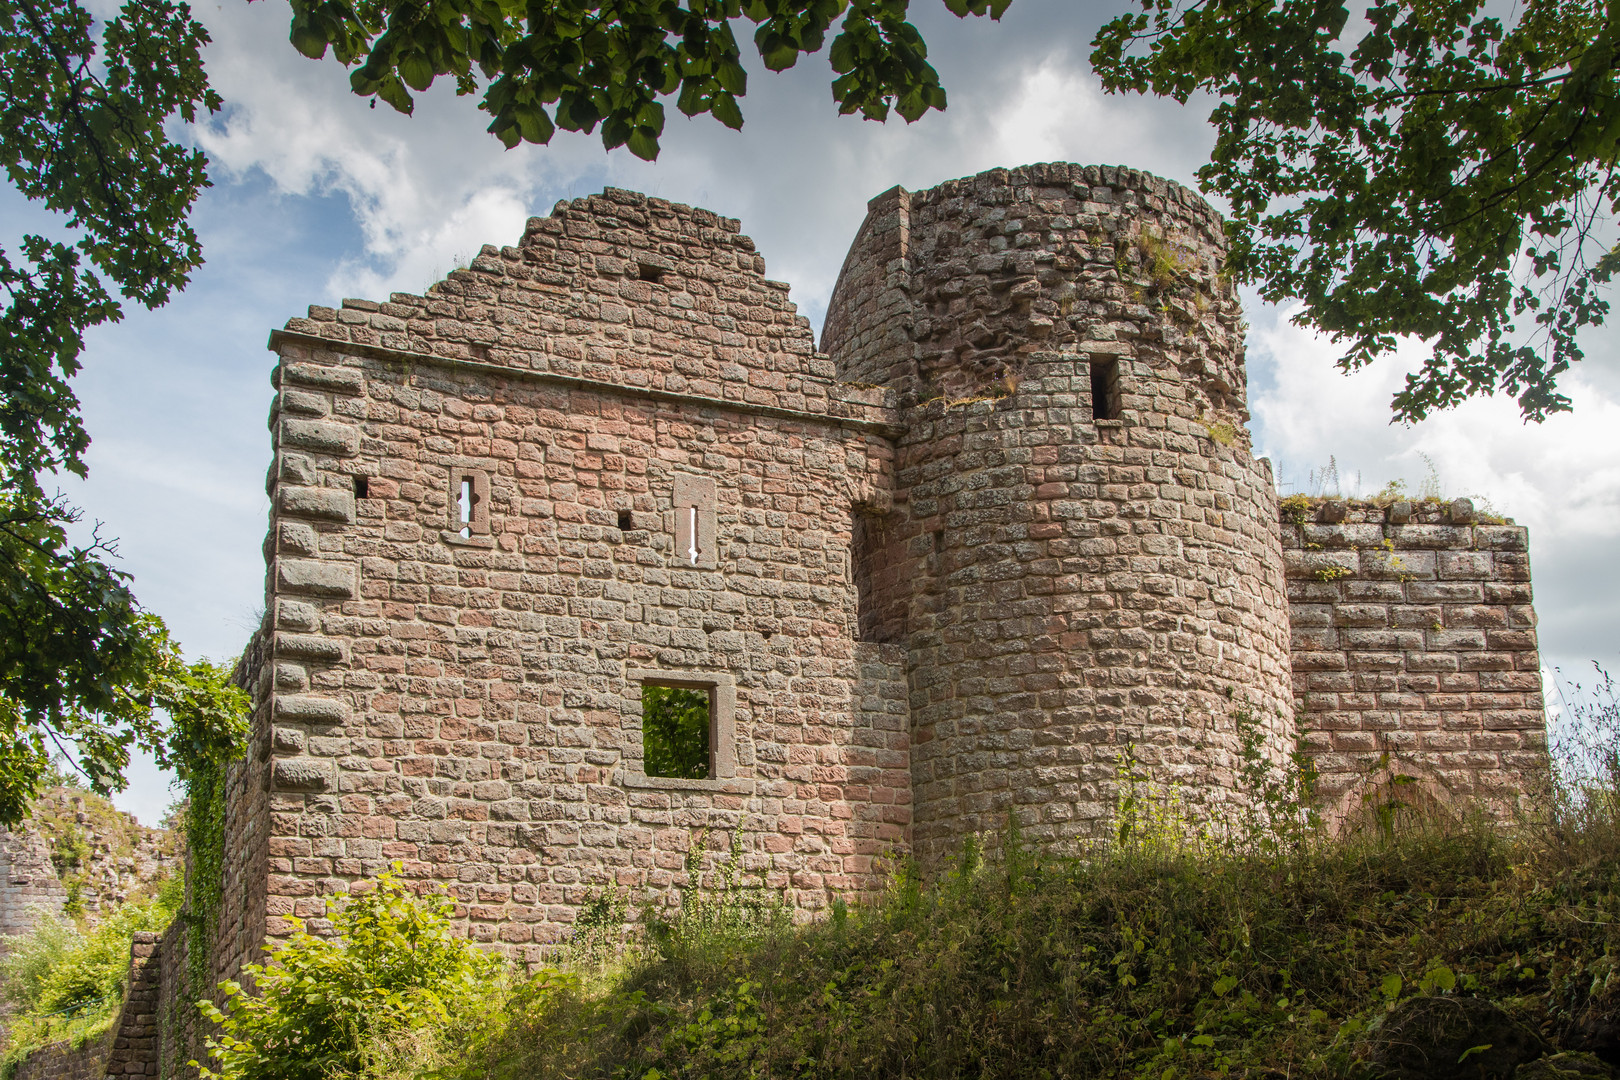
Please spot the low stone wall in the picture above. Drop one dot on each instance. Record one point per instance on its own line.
(60, 1061)
(1414, 650)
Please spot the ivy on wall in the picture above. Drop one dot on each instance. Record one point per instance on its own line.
(208, 717)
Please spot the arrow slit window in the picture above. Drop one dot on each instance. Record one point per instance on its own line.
(694, 522)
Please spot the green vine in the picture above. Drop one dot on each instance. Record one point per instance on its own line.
(209, 721)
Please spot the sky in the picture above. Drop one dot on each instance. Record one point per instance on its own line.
(317, 197)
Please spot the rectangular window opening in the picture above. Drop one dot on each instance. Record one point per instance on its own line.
(869, 573)
(464, 506)
(624, 521)
(362, 487)
(654, 274)
(1105, 404)
(676, 727)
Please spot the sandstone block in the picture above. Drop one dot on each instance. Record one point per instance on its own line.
(296, 615)
(315, 578)
(310, 647)
(302, 774)
(328, 504)
(324, 436)
(311, 710)
(346, 380)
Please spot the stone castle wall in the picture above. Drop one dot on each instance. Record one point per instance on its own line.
(28, 881)
(470, 704)
(1414, 650)
(942, 573)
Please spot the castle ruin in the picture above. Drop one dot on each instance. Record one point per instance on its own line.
(940, 571)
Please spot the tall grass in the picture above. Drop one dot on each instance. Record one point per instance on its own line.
(1265, 948)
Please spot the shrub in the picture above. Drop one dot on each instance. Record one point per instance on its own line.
(68, 983)
(391, 982)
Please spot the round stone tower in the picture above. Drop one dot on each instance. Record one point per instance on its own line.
(1082, 554)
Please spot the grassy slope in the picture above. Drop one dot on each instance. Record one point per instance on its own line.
(1143, 963)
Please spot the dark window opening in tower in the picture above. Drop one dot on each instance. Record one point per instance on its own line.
(1105, 390)
(868, 572)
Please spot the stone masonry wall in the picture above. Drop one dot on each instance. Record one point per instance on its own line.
(469, 704)
(239, 935)
(130, 1047)
(27, 879)
(1414, 635)
(60, 1061)
(1063, 583)
(930, 580)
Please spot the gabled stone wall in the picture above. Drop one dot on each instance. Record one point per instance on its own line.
(467, 701)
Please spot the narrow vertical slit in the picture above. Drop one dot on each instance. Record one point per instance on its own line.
(692, 531)
(464, 503)
(1105, 403)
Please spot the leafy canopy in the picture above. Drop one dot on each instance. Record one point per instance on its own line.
(574, 64)
(1426, 168)
(83, 115)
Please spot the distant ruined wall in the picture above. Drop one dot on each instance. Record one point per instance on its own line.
(27, 879)
(117, 859)
(1414, 636)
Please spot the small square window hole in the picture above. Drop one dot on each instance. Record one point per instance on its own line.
(676, 729)
(654, 274)
(362, 487)
(624, 521)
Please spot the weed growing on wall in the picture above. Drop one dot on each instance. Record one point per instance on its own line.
(208, 718)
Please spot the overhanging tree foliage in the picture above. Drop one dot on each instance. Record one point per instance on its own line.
(83, 112)
(1423, 168)
(574, 64)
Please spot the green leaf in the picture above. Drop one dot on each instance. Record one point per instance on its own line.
(724, 107)
(417, 71)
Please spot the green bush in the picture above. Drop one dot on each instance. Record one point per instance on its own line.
(377, 998)
(68, 983)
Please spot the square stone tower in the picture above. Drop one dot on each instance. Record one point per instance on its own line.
(605, 459)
